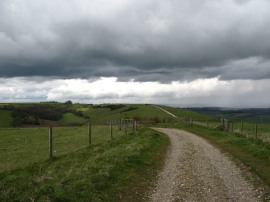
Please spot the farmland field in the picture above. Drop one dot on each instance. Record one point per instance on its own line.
(183, 113)
(20, 147)
(125, 167)
(104, 114)
(71, 119)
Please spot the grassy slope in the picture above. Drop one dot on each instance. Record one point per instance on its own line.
(103, 115)
(118, 170)
(5, 119)
(72, 119)
(187, 113)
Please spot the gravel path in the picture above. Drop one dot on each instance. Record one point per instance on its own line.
(166, 111)
(197, 171)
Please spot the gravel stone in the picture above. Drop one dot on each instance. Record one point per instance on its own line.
(197, 171)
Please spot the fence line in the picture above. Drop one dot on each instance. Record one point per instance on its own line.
(249, 130)
(50, 143)
(128, 123)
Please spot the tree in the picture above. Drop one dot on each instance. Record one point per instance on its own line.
(69, 102)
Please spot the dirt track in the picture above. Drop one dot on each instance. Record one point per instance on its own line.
(197, 171)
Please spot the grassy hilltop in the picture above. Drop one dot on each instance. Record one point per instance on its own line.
(59, 114)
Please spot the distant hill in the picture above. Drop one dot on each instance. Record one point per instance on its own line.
(59, 114)
(258, 115)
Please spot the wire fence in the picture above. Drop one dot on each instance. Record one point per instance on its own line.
(22, 146)
(246, 129)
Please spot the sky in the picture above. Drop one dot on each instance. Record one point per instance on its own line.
(177, 52)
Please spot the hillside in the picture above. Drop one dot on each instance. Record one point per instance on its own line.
(125, 167)
(258, 115)
(61, 114)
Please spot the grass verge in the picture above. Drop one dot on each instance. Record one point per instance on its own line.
(120, 170)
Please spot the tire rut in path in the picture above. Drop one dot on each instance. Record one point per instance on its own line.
(197, 171)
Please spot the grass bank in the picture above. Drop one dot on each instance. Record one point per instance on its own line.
(120, 170)
(253, 153)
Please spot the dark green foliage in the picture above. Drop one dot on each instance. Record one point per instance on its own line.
(69, 102)
(110, 106)
(129, 109)
(31, 114)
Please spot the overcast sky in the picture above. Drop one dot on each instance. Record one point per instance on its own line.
(182, 52)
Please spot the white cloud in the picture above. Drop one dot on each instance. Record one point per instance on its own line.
(238, 93)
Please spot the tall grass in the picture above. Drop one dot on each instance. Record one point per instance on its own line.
(20, 147)
(120, 170)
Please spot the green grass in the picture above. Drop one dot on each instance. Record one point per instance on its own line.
(183, 113)
(103, 115)
(249, 130)
(21, 147)
(254, 153)
(5, 119)
(120, 170)
(72, 119)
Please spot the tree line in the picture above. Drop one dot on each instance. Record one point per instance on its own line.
(32, 114)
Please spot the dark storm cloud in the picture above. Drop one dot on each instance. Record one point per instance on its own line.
(146, 40)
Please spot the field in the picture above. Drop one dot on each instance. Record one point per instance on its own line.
(21, 147)
(72, 119)
(125, 167)
(260, 115)
(104, 114)
(186, 114)
(249, 130)
(119, 166)
(29, 115)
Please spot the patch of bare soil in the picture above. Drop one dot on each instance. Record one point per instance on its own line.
(197, 171)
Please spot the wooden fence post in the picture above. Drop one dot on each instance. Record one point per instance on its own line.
(227, 123)
(50, 143)
(111, 130)
(256, 131)
(125, 127)
(242, 127)
(135, 126)
(120, 124)
(232, 126)
(222, 123)
(89, 134)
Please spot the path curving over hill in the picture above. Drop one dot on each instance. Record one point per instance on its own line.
(197, 171)
(166, 111)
